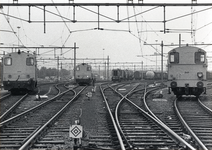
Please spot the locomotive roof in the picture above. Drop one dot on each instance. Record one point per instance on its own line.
(84, 64)
(19, 52)
(183, 48)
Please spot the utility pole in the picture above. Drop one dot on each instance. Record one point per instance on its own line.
(58, 68)
(162, 61)
(104, 65)
(142, 70)
(108, 68)
(75, 61)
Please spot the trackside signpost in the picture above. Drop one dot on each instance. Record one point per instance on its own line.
(76, 132)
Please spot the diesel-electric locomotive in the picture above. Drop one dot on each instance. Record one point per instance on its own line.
(84, 75)
(19, 72)
(187, 67)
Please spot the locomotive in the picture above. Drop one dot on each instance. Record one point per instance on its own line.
(19, 72)
(117, 75)
(121, 75)
(84, 75)
(187, 67)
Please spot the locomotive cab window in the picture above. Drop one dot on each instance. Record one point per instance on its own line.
(8, 61)
(115, 73)
(88, 68)
(30, 61)
(199, 57)
(174, 57)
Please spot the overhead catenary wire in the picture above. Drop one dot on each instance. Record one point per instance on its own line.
(64, 23)
(12, 29)
(139, 35)
(128, 18)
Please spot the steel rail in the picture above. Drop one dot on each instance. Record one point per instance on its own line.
(13, 107)
(160, 123)
(112, 118)
(5, 96)
(188, 128)
(117, 110)
(171, 132)
(36, 135)
(5, 122)
(204, 106)
(145, 104)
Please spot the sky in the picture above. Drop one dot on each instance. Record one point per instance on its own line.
(121, 42)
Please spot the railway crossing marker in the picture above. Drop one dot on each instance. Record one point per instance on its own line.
(75, 131)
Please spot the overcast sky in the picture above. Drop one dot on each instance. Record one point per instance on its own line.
(122, 42)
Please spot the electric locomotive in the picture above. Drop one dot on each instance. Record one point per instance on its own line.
(84, 75)
(117, 75)
(187, 67)
(19, 72)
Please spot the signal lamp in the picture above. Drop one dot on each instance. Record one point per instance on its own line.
(200, 84)
(199, 74)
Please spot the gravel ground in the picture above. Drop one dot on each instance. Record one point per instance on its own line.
(207, 98)
(93, 109)
(161, 106)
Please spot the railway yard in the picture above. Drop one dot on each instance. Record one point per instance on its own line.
(109, 75)
(125, 115)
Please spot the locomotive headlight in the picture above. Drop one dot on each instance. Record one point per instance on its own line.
(200, 84)
(199, 74)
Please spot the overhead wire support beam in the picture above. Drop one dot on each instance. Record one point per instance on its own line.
(29, 14)
(74, 13)
(98, 19)
(118, 5)
(118, 15)
(44, 18)
(178, 44)
(106, 4)
(164, 19)
(118, 18)
(38, 47)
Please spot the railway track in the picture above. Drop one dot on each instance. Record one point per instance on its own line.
(57, 128)
(198, 121)
(160, 136)
(4, 96)
(106, 134)
(9, 104)
(183, 120)
(14, 105)
(130, 127)
(19, 129)
(121, 121)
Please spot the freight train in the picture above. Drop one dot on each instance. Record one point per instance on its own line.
(84, 75)
(187, 67)
(19, 72)
(123, 75)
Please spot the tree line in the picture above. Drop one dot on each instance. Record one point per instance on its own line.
(49, 72)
